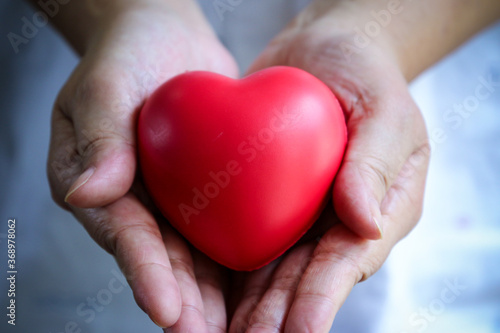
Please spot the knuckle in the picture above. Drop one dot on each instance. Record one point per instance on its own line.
(193, 309)
(349, 265)
(90, 146)
(215, 327)
(102, 138)
(316, 297)
(288, 282)
(262, 318)
(118, 239)
(356, 262)
(268, 326)
(61, 172)
(181, 266)
(377, 170)
(355, 270)
(102, 231)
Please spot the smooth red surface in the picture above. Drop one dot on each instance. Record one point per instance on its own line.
(241, 168)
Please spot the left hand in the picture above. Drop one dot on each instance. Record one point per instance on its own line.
(379, 186)
(128, 49)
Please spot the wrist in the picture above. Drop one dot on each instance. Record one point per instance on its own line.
(83, 23)
(416, 34)
(351, 31)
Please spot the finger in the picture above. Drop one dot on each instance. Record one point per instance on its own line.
(254, 286)
(103, 119)
(327, 281)
(192, 317)
(271, 312)
(211, 282)
(342, 258)
(129, 232)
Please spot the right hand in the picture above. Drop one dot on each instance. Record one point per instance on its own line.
(92, 160)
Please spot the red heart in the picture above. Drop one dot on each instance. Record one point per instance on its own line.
(241, 168)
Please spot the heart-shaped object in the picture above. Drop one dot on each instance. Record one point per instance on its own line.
(241, 168)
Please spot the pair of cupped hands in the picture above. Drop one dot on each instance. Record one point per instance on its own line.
(377, 194)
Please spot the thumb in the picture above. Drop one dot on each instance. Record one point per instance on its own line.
(383, 137)
(102, 140)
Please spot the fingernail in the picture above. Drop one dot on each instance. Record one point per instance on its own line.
(82, 180)
(160, 326)
(379, 228)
